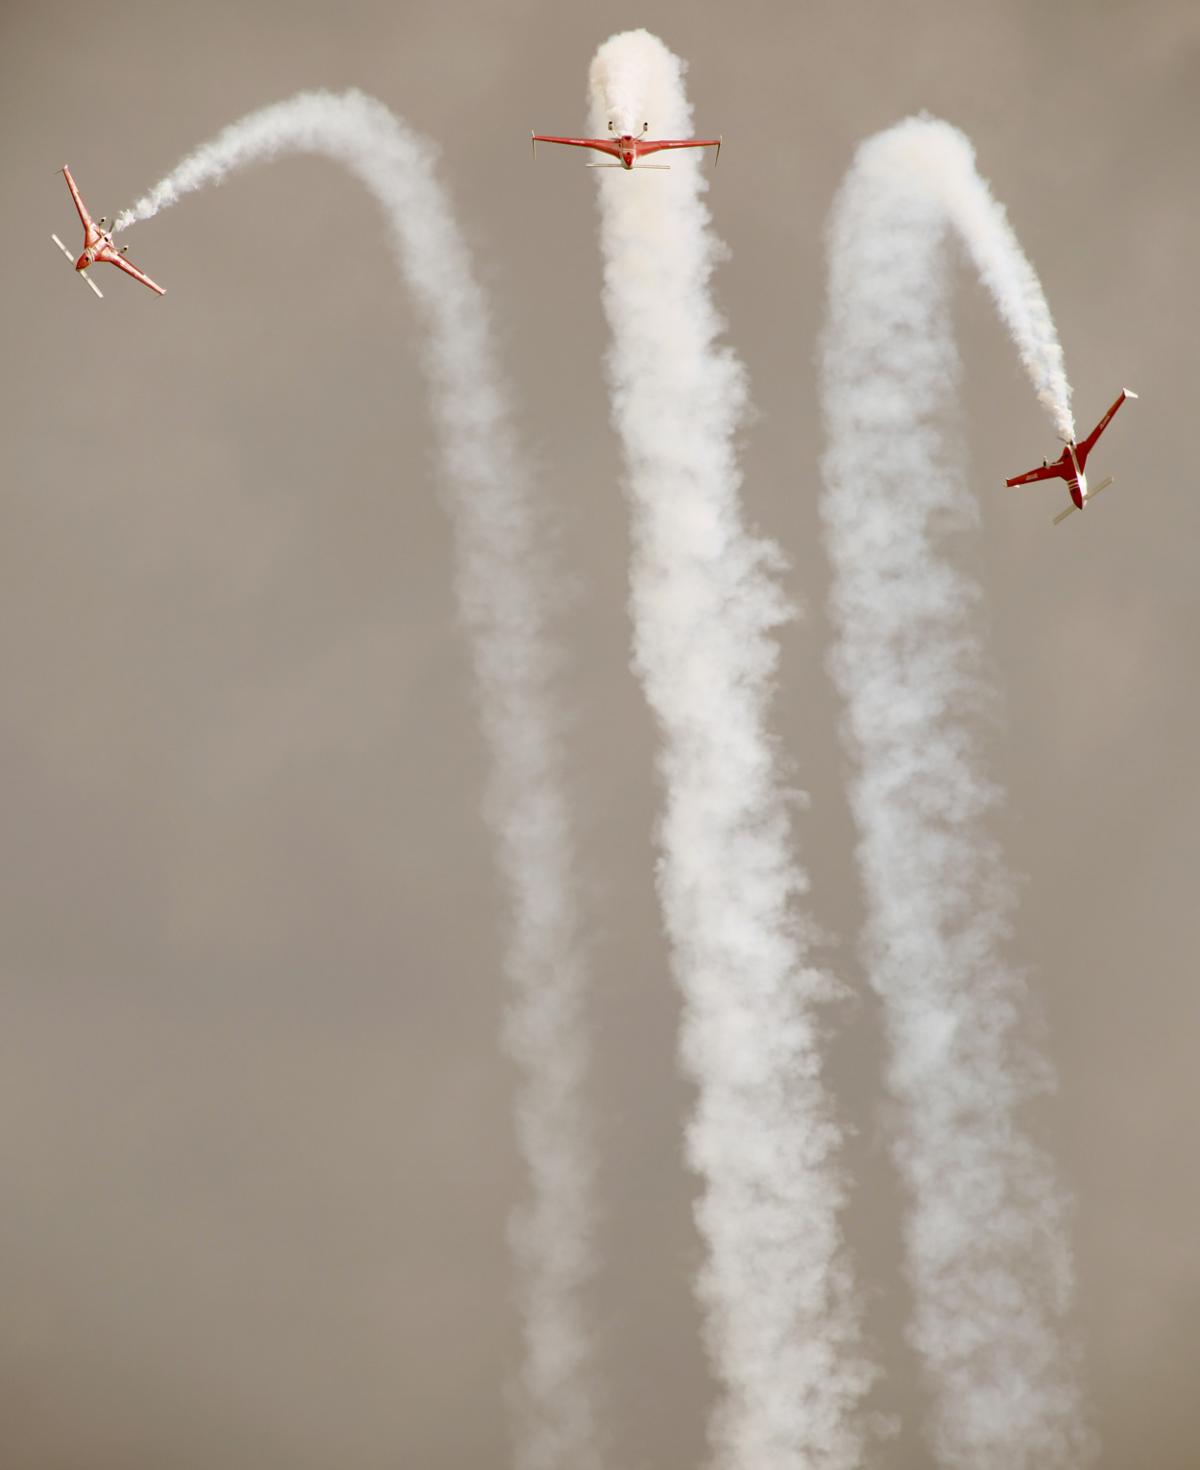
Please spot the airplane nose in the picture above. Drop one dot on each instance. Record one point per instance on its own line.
(82, 263)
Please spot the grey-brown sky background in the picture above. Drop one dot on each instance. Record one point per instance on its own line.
(255, 1136)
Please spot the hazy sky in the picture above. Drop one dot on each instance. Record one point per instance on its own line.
(256, 1135)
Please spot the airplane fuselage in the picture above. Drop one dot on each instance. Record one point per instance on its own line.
(92, 249)
(1073, 462)
(1070, 467)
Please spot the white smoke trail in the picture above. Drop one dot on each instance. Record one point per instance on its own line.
(503, 585)
(987, 1243)
(780, 1322)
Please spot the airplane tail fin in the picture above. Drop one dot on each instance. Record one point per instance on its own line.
(1072, 508)
(83, 275)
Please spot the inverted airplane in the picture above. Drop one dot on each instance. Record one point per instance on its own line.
(98, 245)
(1071, 463)
(628, 149)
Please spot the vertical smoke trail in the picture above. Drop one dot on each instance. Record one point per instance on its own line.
(503, 585)
(987, 1243)
(780, 1323)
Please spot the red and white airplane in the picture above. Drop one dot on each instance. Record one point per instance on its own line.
(627, 148)
(98, 245)
(1070, 465)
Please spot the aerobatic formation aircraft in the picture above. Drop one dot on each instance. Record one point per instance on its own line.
(98, 245)
(627, 148)
(1070, 465)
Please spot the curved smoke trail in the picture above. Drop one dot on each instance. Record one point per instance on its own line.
(987, 1242)
(780, 1322)
(503, 584)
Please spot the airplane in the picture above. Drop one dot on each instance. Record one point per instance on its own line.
(1070, 465)
(627, 148)
(98, 245)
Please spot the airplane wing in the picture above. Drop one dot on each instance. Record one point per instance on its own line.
(601, 145)
(1085, 448)
(1044, 472)
(113, 257)
(90, 232)
(656, 144)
